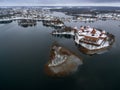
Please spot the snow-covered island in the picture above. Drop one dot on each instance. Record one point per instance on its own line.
(62, 61)
(27, 22)
(92, 38)
(53, 23)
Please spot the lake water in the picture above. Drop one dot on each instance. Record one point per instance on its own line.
(25, 51)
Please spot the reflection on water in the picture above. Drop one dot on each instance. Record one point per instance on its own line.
(63, 36)
(65, 32)
(53, 27)
(92, 52)
(5, 21)
(27, 23)
(55, 24)
(62, 62)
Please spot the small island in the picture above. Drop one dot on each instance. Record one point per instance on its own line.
(93, 39)
(62, 61)
(53, 23)
(27, 23)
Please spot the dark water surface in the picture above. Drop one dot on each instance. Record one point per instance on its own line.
(25, 51)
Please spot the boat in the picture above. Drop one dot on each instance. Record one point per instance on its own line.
(92, 38)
